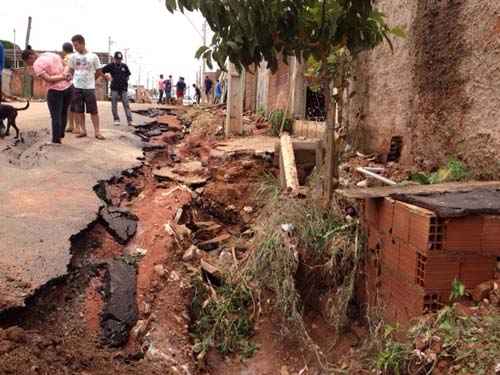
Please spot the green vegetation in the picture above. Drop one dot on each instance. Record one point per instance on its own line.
(269, 189)
(457, 290)
(280, 123)
(454, 171)
(461, 343)
(222, 319)
(318, 256)
(391, 360)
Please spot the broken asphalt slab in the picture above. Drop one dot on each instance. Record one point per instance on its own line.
(120, 311)
(48, 197)
(120, 222)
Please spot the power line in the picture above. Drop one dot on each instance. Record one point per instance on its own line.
(194, 26)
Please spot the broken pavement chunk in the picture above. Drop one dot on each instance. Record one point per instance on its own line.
(120, 222)
(189, 173)
(152, 147)
(103, 192)
(120, 311)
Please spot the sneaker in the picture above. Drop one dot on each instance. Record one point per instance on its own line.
(53, 144)
(117, 122)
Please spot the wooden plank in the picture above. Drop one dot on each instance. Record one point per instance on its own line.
(386, 191)
(288, 164)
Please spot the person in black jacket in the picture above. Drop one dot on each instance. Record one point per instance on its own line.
(120, 75)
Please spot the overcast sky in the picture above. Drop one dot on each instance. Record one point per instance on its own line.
(162, 42)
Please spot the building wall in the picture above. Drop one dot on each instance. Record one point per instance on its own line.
(40, 87)
(279, 88)
(250, 97)
(439, 89)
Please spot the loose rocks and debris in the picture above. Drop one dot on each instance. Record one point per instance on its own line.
(120, 222)
(192, 174)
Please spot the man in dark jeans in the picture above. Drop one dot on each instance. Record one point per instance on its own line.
(120, 75)
(50, 67)
(208, 89)
(161, 89)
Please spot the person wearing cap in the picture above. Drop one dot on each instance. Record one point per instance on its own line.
(120, 75)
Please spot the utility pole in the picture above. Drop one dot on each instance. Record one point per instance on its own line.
(15, 50)
(28, 33)
(2, 60)
(203, 66)
(140, 71)
(110, 44)
(125, 54)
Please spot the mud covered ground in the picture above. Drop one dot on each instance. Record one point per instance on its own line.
(61, 329)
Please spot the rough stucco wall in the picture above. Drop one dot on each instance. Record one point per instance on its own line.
(381, 105)
(440, 89)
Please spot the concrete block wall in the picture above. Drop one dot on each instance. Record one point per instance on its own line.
(439, 89)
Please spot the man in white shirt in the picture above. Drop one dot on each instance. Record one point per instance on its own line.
(85, 67)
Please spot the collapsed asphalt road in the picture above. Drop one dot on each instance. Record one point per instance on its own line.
(46, 197)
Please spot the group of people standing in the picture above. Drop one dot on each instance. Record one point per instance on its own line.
(71, 80)
(165, 87)
(213, 94)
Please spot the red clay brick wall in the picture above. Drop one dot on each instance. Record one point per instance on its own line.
(40, 88)
(250, 98)
(279, 88)
(414, 257)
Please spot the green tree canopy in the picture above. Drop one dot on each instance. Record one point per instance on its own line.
(248, 32)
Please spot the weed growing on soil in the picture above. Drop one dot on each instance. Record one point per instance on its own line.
(269, 188)
(391, 359)
(469, 344)
(222, 319)
(280, 123)
(319, 255)
(454, 171)
(457, 343)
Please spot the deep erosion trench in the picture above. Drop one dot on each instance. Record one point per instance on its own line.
(124, 306)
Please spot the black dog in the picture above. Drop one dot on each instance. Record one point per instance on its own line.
(9, 113)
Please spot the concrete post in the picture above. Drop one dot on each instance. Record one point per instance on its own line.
(234, 116)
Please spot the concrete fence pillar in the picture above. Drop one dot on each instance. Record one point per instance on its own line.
(234, 116)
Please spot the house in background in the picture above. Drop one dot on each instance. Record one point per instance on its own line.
(16, 82)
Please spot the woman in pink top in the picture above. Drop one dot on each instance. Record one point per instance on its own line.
(50, 67)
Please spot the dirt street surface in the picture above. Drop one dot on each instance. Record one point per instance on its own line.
(46, 194)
